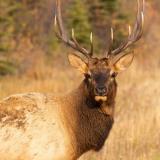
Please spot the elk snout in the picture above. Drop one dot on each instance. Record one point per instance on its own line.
(101, 90)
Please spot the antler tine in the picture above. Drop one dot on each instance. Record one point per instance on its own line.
(138, 28)
(91, 43)
(129, 30)
(112, 35)
(58, 18)
(111, 43)
(137, 31)
(78, 47)
(61, 33)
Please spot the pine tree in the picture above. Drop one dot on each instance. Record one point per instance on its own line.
(100, 17)
(78, 19)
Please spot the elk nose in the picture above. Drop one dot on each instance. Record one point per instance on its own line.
(101, 90)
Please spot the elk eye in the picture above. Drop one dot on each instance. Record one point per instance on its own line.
(113, 75)
(88, 76)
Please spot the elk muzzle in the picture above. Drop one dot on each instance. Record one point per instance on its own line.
(101, 93)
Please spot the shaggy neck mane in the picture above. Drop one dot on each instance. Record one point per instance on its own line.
(87, 127)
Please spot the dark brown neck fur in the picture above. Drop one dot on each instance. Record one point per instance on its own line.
(87, 126)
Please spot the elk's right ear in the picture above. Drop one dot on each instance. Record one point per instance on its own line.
(78, 63)
(123, 63)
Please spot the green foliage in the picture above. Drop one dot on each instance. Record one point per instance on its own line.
(17, 19)
(110, 5)
(7, 67)
(32, 19)
(78, 19)
(105, 14)
(26, 18)
(7, 10)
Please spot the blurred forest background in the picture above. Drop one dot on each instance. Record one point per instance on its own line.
(32, 59)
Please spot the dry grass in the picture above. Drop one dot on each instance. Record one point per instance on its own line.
(136, 132)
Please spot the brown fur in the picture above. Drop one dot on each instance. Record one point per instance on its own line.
(37, 126)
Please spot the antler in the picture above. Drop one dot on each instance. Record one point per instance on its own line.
(62, 35)
(133, 35)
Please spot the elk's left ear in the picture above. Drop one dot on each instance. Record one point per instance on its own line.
(123, 63)
(78, 63)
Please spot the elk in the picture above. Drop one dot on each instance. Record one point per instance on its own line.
(36, 126)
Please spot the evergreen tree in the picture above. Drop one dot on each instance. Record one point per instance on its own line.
(32, 19)
(17, 20)
(78, 19)
(105, 14)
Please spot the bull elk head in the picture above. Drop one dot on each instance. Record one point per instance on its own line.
(100, 73)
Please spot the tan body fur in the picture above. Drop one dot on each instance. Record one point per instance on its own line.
(38, 127)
